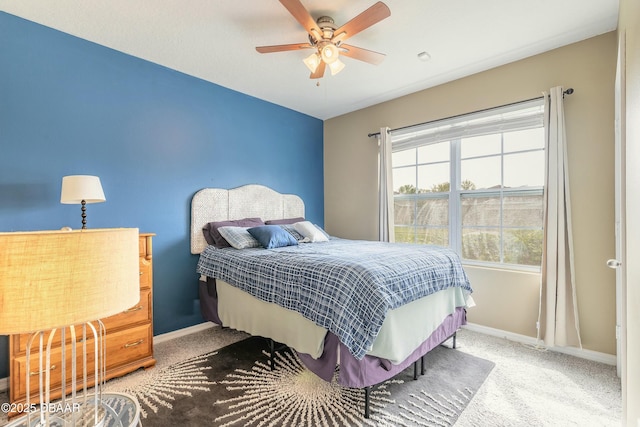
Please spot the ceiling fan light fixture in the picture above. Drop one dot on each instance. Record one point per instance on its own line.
(336, 67)
(329, 53)
(312, 61)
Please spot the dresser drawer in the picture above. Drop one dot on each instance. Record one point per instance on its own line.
(143, 251)
(140, 312)
(145, 273)
(21, 341)
(20, 370)
(129, 345)
(123, 347)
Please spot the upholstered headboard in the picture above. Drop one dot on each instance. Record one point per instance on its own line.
(217, 204)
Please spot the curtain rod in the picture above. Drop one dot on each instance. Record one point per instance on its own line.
(566, 92)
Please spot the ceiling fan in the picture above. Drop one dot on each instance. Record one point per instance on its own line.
(327, 40)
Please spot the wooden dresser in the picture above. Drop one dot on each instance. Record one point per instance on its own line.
(129, 340)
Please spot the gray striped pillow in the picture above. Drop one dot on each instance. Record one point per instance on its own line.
(238, 237)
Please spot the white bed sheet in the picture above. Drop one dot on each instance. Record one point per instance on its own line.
(244, 312)
(397, 339)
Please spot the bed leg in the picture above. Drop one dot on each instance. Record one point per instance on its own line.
(272, 350)
(422, 365)
(415, 370)
(454, 339)
(367, 393)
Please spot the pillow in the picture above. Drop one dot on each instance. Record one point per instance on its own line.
(283, 221)
(213, 237)
(238, 237)
(272, 236)
(289, 228)
(310, 232)
(322, 231)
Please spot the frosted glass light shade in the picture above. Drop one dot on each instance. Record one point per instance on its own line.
(329, 53)
(336, 67)
(76, 188)
(312, 61)
(52, 279)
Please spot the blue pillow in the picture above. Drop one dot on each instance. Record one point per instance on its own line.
(272, 236)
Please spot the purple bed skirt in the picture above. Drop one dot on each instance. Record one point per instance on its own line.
(373, 370)
(209, 300)
(353, 372)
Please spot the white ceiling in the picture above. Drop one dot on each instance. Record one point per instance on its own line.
(215, 40)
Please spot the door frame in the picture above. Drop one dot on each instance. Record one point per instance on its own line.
(620, 208)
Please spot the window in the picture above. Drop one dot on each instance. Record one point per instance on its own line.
(474, 183)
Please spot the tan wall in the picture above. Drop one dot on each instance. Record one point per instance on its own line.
(505, 300)
(509, 300)
(629, 28)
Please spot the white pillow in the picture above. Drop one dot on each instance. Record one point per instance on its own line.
(310, 232)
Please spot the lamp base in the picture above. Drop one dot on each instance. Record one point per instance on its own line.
(78, 408)
(115, 410)
(64, 415)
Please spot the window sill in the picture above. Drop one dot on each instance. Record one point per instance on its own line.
(503, 267)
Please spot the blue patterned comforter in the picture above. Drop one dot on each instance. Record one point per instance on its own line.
(345, 286)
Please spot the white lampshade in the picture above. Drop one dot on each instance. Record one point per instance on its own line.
(76, 188)
(52, 279)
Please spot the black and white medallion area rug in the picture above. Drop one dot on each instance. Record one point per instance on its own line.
(235, 386)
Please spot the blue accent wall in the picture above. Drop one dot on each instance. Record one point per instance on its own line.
(153, 135)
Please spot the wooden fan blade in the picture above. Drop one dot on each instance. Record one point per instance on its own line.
(361, 54)
(301, 14)
(319, 71)
(373, 15)
(283, 47)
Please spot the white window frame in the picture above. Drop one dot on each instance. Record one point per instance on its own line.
(518, 116)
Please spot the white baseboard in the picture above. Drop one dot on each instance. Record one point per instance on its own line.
(4, 382)
(596, 356)
(182, 332)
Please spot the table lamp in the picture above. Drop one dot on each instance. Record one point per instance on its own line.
(54, 283)
(81, 189)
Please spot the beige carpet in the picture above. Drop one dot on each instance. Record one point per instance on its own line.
(531, 387)
(527, 387)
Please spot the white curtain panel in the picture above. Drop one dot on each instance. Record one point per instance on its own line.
(558, 312)
(385, 188)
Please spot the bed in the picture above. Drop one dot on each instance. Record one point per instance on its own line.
(370, 308)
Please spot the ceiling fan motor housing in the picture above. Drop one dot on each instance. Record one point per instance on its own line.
(327, 26)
